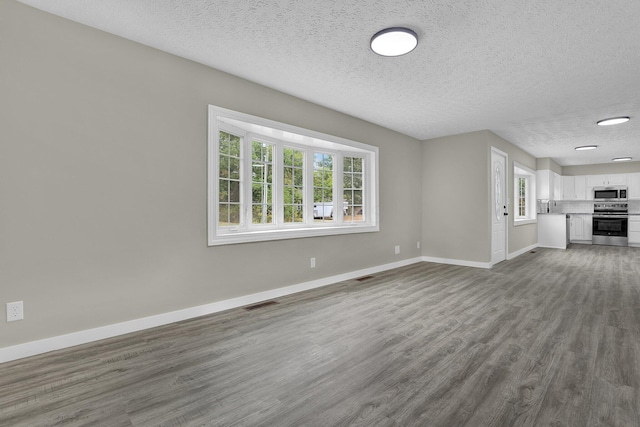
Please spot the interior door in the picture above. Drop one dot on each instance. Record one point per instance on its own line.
(499, 203)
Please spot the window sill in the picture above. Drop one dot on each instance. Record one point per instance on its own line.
(517, 222)
(268, 235)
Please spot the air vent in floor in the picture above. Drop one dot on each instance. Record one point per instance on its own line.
(362, 279)
(259, 305)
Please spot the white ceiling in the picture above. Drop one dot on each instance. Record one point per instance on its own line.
(538, 73)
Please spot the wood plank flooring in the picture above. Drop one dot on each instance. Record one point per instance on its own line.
(551, 338)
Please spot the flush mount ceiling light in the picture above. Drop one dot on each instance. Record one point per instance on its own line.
(394, 41)
(622, 159)
(613, 121)
(586, 147)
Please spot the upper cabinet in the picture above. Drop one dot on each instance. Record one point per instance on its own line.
(557, 186)
(548, 185)
(604, 180)
(633, 181)
(551, 186)
(574, 187)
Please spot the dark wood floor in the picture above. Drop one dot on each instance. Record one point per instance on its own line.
(551, 338)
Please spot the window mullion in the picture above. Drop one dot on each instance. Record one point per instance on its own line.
(246, 174)
(338, 186)
(308, 186)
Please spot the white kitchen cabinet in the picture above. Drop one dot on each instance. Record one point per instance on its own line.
(587, 232)
(544, 184)
(580, 187)
(633, 181)
(568, 188)
(557, 186)
(577, 228)
(580, 230)
(552, 231)
(603, 180)
(633, 230)
(574, 187)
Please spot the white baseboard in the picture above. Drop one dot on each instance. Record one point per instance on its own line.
(461, 262)
(521, 251)
(82, 337)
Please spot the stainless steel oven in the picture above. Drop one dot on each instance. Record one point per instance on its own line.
(610, 221)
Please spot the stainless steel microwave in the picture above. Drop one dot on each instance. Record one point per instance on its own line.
(610, 194)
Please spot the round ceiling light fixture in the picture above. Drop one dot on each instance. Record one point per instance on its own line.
(613, 121)
(586, 147)
(622, 159)
(394, 41)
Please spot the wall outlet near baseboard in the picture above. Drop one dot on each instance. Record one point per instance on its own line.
(15, 311)
(312, 262)
(397, 249)
(418, 245)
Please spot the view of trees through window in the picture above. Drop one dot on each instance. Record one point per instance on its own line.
(323, 187)
(352, 177)
(272, 181)
(522, 197)
(293, 184)
(229, 179)
(261, 183)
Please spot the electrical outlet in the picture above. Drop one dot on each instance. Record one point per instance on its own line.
(313, 263)
(418, 245)
(397, 249)
(15, 311)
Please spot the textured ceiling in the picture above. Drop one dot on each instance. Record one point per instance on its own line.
(538, 73)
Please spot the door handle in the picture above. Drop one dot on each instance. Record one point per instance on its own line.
(505, 214)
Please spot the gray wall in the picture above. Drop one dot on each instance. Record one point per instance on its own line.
(601, 169)
(456, 197)
(548, 163)
(103, 182)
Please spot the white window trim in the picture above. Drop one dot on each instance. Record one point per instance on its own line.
(521, 171)
(304, 139)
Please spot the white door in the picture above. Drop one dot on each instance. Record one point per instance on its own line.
(499, 203)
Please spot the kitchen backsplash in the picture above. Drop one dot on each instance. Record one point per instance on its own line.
(585, 206)
(571, 206)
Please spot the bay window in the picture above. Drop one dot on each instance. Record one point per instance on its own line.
(269, 181)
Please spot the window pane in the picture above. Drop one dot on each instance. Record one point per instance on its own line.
(348, 196)
(323, 186)
(293, 188)
(353, 198)
(261, 176)
(348, 164)
(288, 175)
(347, 180)
(234, 191)
(234, 214)
(234, 168)
(223, 191)
(357, 164)
(224, 167)
(298, 177)
(228, 181)
(224, 215)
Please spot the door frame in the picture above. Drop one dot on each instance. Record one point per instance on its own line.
(507, 204)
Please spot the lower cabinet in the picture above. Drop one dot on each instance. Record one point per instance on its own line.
(580, 228)
(633, 230)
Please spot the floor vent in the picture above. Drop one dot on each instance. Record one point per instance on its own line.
(532, 252)
(362, 279)
(259, 305)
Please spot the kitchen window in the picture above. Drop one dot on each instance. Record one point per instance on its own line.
(271, 181)
(524, 195)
